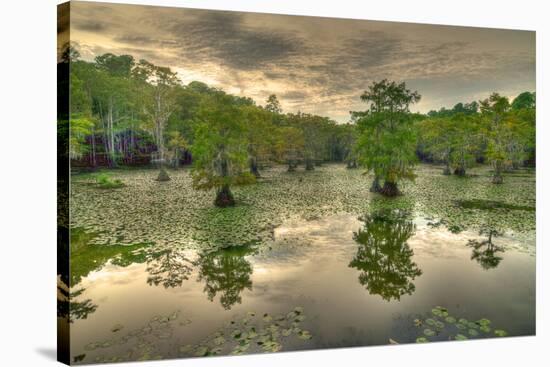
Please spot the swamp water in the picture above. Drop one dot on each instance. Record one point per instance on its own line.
(291, 270)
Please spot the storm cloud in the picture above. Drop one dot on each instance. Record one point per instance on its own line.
(316, 65)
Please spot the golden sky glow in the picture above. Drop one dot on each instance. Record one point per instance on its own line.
(316, 65)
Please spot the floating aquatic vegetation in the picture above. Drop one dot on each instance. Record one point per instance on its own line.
(178, 215)
(140, 344)
(492, 204)
(105, 181)
(252, 334)
(443, 326)
(236, 337)
(86, 257)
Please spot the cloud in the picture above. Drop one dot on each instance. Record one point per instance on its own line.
(318, 65)
(91, 26)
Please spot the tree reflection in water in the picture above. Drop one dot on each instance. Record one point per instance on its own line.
(384, 257)
(67, 306)
(485, 252)
(168, 267)
(227, 273)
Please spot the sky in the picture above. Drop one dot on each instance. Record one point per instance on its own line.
(314, 65)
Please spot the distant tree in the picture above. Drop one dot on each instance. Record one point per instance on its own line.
(290, 145)
(524, 100)
(110, 85)
(494, 110)
(220, 148)
(314, 131)
(259, 132)
(387, 143)
(159, 103)
(464, 141)
(175, 144)
(273, 105)
(436, 134)
(81, 120)
(349, 139)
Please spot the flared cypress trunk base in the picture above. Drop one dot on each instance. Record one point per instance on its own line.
(163, 175)
(224, 198)
(375, 187)
(390, 189)
(460, 171)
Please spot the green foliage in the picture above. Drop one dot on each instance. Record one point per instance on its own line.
(273, 105)
(510, 133)
(525, 100)
(446, 327)
(220, 146)
(105, 181)
(387, 140)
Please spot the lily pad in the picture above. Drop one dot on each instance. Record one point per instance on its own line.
(450, 319)
(304, 335)
(429, 332)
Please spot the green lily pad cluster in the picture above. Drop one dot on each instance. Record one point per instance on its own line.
(172, 213)
(254, 333)
(138, 344)
(442, 326)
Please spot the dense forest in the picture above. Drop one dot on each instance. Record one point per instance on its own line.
(126, 112)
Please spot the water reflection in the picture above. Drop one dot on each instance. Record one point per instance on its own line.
(67, 306)
(485, 252)
(168, 267)
(384, 258)
(227, 273)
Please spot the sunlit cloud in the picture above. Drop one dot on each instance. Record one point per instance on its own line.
(316, 65)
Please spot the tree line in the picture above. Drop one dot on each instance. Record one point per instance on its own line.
(132, 112)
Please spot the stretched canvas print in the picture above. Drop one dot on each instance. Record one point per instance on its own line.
(233, 183)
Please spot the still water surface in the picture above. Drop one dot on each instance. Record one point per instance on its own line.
(359, 282)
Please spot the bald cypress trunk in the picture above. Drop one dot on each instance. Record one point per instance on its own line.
(224, 197)
(460, 171)
(390, 189)
(254, 167)
(375, 187)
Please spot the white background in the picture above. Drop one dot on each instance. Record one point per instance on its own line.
(28, 166)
